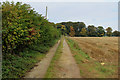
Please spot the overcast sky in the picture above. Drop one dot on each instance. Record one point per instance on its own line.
(91, 12)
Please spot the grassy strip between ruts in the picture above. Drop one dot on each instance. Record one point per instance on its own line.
(52, 70)
(15, 66)
(88, 67)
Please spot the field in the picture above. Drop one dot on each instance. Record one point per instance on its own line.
(104, 49)
(101, 56)
(34, 47)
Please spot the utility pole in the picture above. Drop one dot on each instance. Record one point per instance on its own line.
(46, 12)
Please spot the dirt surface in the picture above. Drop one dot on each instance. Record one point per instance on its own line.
(41, 68)
(101, 49)
(67, 65)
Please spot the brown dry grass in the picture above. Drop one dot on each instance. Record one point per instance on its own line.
(100, 49)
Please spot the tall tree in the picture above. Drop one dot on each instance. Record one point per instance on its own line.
(67, 25)
(78, 27)
(63, 28)
(91, 31)
(58, 25)
(100, 31)
(109, 31)
(83, 32)
(116, 33)
(72, 32)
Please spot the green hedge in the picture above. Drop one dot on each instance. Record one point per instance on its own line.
(22, 26)
(25, 36)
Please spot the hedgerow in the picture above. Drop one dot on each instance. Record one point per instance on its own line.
(22, 26)
(25, 36)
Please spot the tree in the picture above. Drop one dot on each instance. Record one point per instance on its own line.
(91, 31)
(63, 28)
(58, 25)
(116, 33)
(109, 31)
(67, 25)
(100, 31)
(78, 27)
(83, 32)
(72, 32)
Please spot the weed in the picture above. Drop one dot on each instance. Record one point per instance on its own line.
(51, 72)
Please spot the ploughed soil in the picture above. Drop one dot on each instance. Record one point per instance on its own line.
(101, 49)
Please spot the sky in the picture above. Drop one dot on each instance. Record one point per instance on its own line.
(64, 0)
(91, 12)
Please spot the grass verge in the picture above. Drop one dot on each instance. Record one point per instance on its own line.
(89, 68)
(16, 66)
(52, 70)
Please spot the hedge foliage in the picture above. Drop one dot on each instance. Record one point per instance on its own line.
(23, 27)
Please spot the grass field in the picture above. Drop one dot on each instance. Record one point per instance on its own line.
(97, 57)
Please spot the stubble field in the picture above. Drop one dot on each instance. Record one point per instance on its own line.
(104, 51)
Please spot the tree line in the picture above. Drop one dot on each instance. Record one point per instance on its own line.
(78, 29)
(22, 26)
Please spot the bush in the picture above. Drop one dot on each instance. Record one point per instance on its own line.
(22, 26)
(25, 35)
